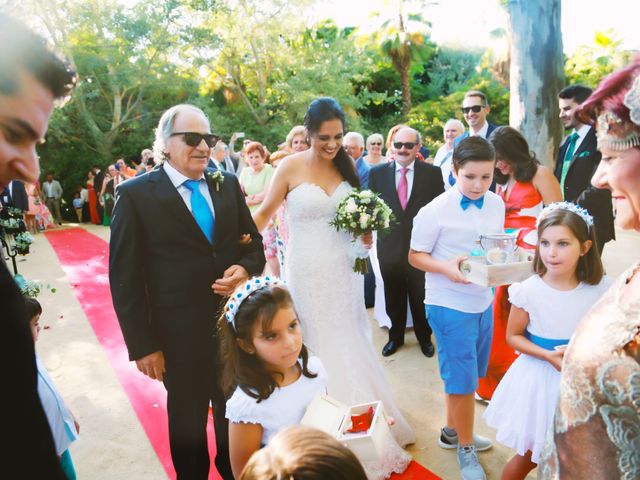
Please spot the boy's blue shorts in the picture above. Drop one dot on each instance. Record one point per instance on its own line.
(464, 343)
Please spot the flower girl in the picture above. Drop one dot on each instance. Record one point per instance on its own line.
(267, 364)
(546, 310)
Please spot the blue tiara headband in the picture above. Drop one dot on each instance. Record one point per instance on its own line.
(568, 206)
(242, 293)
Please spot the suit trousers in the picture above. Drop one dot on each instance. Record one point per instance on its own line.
(191, 384)
(402, 282)
(53, 204)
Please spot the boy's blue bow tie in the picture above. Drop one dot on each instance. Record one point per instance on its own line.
(466, 201)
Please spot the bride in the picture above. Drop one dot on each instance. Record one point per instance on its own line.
(326, 292)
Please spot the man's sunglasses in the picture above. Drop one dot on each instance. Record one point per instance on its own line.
(193, 139)
(407, 145)
(474, 109)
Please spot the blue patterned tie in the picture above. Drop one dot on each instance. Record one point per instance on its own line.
(466, 201)
(200, 209)
(452, 179)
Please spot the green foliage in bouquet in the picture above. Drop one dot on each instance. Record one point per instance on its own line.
(361, 212)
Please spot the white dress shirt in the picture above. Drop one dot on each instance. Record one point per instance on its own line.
(178, 180)
(444, 160)
(482, 132)
(443, 229)
(410, 169)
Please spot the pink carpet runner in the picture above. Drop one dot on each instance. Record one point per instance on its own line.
(84, 258)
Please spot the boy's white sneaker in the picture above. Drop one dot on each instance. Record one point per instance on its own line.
(470, 468)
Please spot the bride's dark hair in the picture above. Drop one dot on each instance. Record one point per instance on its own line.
(324, 109)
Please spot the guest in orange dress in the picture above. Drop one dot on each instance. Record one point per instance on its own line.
(93, 200)
(525, 186)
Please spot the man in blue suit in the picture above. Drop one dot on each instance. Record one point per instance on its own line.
(353, 143)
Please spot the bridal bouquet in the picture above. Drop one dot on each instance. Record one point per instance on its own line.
(360, 212)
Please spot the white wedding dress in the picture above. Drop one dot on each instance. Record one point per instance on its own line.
(329, 299)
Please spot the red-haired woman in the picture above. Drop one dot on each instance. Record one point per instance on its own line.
(597, 425)
(255, 180)
(256, 177)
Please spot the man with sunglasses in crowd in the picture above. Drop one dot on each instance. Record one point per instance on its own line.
(31, 79)
(406, 185)
(175, 256)
(475, 109)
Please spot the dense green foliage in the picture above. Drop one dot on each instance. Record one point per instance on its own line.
(253, 66)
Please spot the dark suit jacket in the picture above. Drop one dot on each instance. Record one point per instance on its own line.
(490, 129)
(161, 265)
(578, 188)
(393, 247)
(27, 441)
(97, 182)
(18, 197)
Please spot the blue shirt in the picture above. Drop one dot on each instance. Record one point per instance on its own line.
(362, 168)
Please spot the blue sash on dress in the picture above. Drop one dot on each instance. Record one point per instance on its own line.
(546, 343)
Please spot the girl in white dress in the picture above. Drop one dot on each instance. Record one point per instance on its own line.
(546, 309)
(319, 267)
(265, 365)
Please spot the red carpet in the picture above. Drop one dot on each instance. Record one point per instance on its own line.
(84, 258)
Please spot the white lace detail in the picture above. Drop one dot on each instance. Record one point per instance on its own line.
(395, 460)
(328, 297)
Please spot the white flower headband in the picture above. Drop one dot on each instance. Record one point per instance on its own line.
(241, 294)
(571, 207)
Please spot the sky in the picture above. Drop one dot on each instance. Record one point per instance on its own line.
(480, 17)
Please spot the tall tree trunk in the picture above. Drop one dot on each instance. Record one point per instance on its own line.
(536, 74)
(406, 92)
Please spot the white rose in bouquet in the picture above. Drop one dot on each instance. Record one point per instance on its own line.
(359, 213)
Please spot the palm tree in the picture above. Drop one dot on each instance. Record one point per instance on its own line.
(404, 41)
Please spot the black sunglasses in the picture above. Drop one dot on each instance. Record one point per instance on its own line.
(474, 109)
(407, 145)
(193, 139)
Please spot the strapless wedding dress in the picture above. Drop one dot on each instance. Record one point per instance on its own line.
(329, 299)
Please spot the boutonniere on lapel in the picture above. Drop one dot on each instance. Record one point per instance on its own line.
(216, 177)
(584, 154)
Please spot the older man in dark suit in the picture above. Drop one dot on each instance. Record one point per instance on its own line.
(577, 160)
(175, 254)
(406, 185)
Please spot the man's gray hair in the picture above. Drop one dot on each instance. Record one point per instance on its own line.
(356, 136)
(416, 133)
(165, 128)
(454, 121)
(220, 146)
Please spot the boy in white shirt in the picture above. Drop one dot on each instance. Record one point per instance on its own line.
(444, 233)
